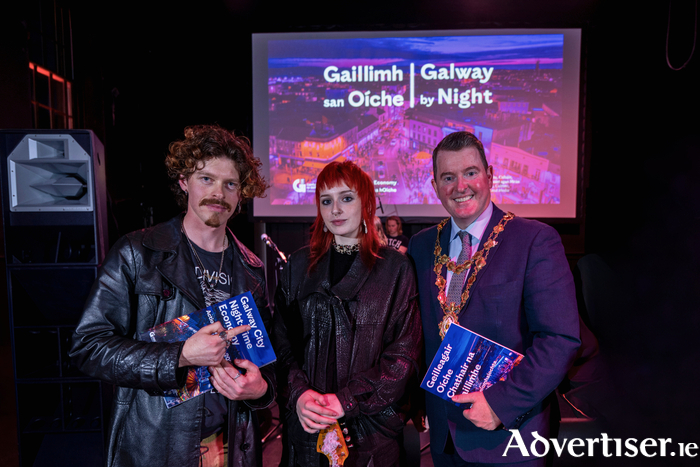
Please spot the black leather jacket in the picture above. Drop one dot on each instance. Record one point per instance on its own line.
(377, 340)
(147, 279)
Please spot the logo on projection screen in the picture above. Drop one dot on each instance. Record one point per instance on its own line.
(300, 186)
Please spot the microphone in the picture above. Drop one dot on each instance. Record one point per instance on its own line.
(268, 241)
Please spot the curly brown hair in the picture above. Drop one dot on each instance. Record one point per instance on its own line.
(203, 142)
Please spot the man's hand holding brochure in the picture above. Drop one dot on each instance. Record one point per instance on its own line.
(466, 363)
(212, 328)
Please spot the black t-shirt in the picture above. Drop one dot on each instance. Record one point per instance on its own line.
(397, 242)
(340, 265)
(215, 405)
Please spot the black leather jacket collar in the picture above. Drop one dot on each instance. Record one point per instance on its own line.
(175, 261)
(346, 289)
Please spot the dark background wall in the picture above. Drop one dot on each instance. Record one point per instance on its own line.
(144, 71)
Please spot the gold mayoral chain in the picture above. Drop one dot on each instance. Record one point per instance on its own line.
(450, 309)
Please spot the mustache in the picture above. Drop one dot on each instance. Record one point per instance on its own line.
(210, 201)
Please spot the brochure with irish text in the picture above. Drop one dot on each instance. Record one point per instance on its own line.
(467, 362)
(253, 345)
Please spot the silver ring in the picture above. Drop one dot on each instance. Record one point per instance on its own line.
(237, 376)
(223, 335)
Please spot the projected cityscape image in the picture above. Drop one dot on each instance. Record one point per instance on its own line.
(386, 103)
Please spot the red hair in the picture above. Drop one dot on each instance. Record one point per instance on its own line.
(338, 173)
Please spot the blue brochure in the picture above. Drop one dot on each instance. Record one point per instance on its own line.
(253, 345)
(467, 362)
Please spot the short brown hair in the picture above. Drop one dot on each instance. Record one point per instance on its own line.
(456, 142)
(204, 142)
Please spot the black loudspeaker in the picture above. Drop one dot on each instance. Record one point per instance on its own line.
(54, 218)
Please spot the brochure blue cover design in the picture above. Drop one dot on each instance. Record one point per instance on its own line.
(467, 362)
(253, 345)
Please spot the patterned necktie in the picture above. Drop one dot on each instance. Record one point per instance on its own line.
(454, 294)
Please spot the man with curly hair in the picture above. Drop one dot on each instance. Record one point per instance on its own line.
(155, 275)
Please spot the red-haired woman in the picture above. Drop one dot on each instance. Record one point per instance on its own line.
(349, 335)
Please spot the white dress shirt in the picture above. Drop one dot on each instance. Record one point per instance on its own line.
(476, 229)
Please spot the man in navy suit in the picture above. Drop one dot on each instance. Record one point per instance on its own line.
(519, 292)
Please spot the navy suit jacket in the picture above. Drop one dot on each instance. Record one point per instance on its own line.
(524, 299)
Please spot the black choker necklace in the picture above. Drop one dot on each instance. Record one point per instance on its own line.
(346, 249)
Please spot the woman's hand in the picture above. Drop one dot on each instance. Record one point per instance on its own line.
(317, 411)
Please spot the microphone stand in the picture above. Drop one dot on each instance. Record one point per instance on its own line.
(280, 258)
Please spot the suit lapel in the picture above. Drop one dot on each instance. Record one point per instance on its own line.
(445, 245)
